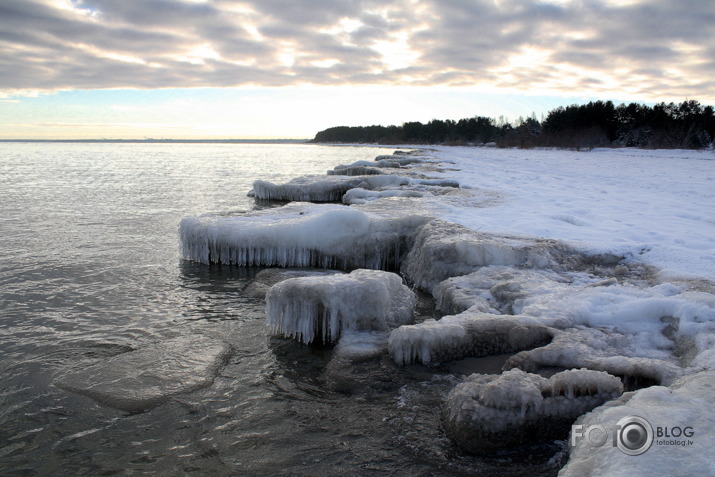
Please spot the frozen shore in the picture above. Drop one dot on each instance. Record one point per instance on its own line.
(602, 260)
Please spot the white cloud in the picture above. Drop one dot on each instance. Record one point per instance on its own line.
(657, 49)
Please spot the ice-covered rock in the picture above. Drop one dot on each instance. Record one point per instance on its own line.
(494, 289)
(323, 308)
(620, 354)
(300, 235)
(317, 188)
(265, 279)
(490, 412)
(364, 168)
(469, 334)
(683, 411)
(443, 250)
(137, 380)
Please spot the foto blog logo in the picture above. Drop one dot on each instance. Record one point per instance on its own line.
(633, 435)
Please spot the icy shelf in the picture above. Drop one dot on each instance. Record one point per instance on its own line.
(466, 335)
(323, 308)
(443, 250)
(328, 188)
(490, 412)
(300, 235)
(265, 279)
(141, 379)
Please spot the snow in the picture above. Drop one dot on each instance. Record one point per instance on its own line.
(299, 235)
(322, 308)
(137, 380)
(657, 206)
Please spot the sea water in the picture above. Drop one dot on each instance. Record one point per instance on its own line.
(90, 269)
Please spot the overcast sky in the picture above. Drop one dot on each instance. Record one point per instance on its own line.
(224, 68)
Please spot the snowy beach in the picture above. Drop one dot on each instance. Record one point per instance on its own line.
(600, 261)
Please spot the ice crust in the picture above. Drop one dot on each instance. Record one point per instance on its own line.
(490, 412)
(300, 235)
(443, 250)
(137, 380)
(469, 334)
(322, 308)
(265, 279)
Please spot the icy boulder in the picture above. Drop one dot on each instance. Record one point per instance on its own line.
(364, 168)
(141, 379)
(323, 308)
(685, 409)
(620, 354)
(490, 412)
(443, 250)
(495, 289)
(265, 279)
(300, 235)
(466, 335)
(328, 188)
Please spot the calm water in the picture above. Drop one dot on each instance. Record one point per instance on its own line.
(89, 269)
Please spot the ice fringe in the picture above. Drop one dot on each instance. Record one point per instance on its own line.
(331, 188)
(141, 379)
(300, 235)
(265, 279)
(487, 412)
(466, 335)
(324, 307)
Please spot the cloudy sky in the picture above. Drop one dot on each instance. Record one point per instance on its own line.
(288, 68)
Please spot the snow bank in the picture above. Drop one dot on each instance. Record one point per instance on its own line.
(300, 235)
(323, 307)
(487, 412)
(466, 335)
(687, 403)
(138, 380)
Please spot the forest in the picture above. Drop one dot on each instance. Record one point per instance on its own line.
(688, 125)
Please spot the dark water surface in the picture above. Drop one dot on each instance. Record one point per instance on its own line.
(90, 269)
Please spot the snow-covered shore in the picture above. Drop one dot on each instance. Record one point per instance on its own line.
(607, 255)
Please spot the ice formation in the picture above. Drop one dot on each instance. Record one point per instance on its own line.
(616, 352)
(466, 335)
(443, 250)
(137, 380)
(300, 235)
(364, 168)
(265, 279)
(322, 308)
(328, 188)
(487, 412)
(494, 289)
(687, 403)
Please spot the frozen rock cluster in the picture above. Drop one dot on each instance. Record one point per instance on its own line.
(486, 412)
(581, 325)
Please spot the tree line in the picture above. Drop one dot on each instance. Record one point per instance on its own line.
(688, 125)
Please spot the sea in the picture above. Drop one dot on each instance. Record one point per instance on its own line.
(90, 268)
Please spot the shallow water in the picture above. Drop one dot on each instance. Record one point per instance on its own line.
(90, 269)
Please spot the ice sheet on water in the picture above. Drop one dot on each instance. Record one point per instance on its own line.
(490, 412)
(324, 307)
(137, 380)
(686, 403)
(300, 235)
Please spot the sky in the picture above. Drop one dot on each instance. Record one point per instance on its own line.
(290, 68)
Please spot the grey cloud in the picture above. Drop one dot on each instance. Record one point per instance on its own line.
(456, 42)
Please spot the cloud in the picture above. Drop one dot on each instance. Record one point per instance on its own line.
(654, 49)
